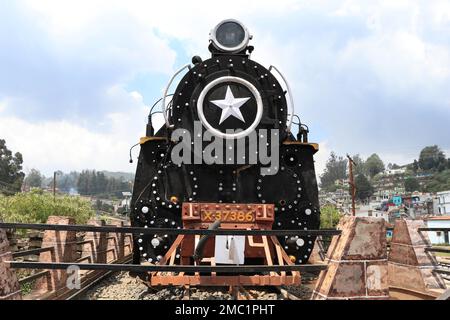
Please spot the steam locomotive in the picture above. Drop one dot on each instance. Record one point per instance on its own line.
(246, 111)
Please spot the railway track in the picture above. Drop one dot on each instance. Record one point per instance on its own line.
(123, 287)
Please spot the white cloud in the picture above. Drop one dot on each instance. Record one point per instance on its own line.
(3, 105)
(63, 145)
(367, 76)
(320, 158)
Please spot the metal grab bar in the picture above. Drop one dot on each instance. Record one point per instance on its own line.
(291, 98)
(163, 102)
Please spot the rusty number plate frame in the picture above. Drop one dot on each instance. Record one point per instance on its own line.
(245, 215)
(237, 216)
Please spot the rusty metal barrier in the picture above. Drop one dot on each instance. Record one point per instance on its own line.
(60, 246)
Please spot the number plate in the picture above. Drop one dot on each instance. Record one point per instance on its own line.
(239, 216)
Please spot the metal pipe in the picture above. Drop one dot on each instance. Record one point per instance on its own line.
(198, 252)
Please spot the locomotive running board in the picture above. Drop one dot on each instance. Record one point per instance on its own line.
(273, 279)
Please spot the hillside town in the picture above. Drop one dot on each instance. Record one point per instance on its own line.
(394, 192)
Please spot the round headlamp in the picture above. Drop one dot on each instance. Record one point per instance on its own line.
(230, 36)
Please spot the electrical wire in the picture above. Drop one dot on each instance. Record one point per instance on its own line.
(131, 149)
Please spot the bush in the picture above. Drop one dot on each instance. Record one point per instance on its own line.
(329, 217)
(36, 206)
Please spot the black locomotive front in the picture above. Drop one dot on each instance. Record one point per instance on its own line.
(233, 99)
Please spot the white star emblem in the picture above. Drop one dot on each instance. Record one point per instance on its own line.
(230, 106)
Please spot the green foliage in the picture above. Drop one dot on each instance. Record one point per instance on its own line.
(359, 166)
(36, 206)
(439, 182)
(364, 188)
(33, 179)
(432, 158)
(335, 169)
(96, 183)
(329, 217)
(374, 165)
(411, 184)
(11, 175)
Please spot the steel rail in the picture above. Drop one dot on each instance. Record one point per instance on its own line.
(435, 229)
(437, 250)
(33, 277)
(91, 282)
(444, 271)
(137, 230)
(166, 268)
(37, 251)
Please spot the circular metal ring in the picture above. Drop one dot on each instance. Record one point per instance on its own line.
(249, 86)
(240, 47)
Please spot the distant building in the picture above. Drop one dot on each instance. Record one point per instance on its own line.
(397, 200)
(438, 237)
(125, 202)
(369, 211)
(443, 202)
(390, 172)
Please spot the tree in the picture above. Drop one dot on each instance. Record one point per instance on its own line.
(359, 166)
(335, 169)
(439, 182)
(415, 166)
(68, 182)
(329, 217)
(374, 165)
(431, 158)
(34, 179)
(11, 175)
(411, 184)
(364, 188)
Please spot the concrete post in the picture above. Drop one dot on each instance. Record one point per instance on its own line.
(410, 266)
(357, 262)
(64, 250)
(318, 253)
(9, 285)
(115, 250)
(97, 245)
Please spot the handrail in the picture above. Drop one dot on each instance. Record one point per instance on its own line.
(291, 98)
(163, 103)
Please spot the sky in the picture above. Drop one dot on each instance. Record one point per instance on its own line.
(77, 78)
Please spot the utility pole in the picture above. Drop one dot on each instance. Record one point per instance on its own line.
(54, 186)
(54, 183)
(351, 182)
